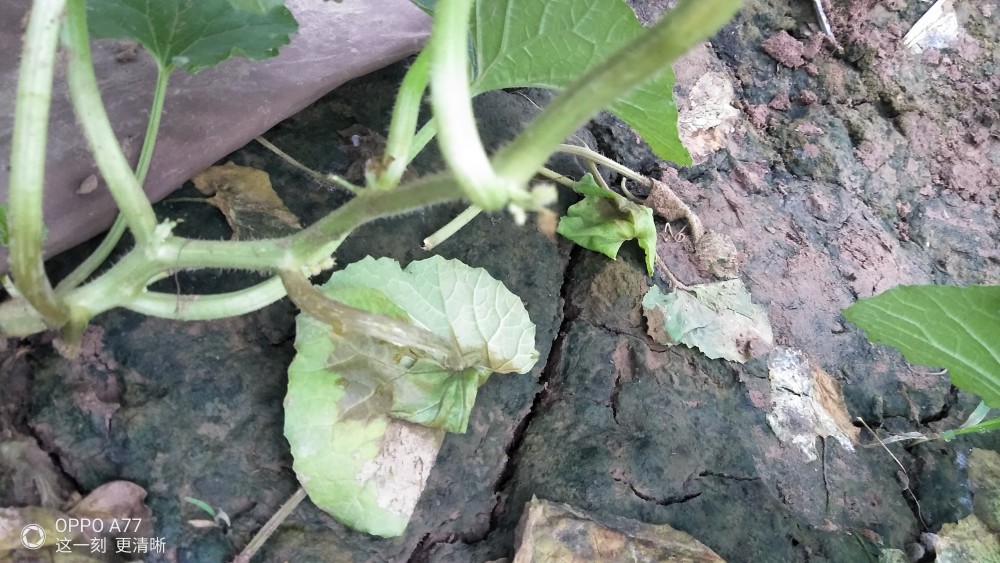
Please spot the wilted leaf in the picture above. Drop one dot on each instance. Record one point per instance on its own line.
(350, 398)
(192, 35)
(805, 403)
(603, 220)
(717, 318)
(552, 532)
(246, 198)
(936, 325)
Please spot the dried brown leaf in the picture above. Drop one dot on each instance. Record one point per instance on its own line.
(246, 198)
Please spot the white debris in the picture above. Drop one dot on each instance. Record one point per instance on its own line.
(937, 29)
(806, 403)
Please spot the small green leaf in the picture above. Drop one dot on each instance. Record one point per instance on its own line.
(550, 44)
(4, 234)
(957, 328)
(604, 220)
(189, 34)
(256, 6)
(717, 318)
(364, 418)
(201, 504)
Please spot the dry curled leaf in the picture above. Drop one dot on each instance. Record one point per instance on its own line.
(665, 203)
(246, 198)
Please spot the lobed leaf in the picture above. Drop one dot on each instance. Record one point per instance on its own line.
(603, 220)
(957, 328)
(192, 35)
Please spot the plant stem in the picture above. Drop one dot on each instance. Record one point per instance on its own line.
(452, 227)
(420, 140)
(691, 22)
(451, 99)
(94, 261)
(126, 280)
(27, 174)
(331, 180)
(598, 158)
(153, 127)
(344, 318)
(405, 113)
(207, 307)
(114, 235)
(270, 526)
(89, 109)
(464, 218)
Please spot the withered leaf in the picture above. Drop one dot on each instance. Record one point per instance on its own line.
(246, 198)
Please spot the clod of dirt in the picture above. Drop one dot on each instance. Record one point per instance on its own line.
(717, 255)
(551, 531)
(785, 49)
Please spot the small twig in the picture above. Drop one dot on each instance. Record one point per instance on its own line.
(270, 526)
(906, 483)
(823, 22)
(329, 180)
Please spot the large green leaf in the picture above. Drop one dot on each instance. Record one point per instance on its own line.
(603, 220)
(365, 418)
(549, 44)
(957, 328)
(256, 6)
(192, 34)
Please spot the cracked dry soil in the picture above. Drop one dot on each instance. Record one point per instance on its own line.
(842, 174)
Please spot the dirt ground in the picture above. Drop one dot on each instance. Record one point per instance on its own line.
(839, 171)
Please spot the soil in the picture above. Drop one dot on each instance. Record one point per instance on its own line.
(845, 172)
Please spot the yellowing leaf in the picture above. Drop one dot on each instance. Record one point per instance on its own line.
(246, 198)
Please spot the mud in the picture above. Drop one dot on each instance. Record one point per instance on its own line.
(842, 176)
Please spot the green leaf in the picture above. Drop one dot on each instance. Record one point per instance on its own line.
(717, 318)
(256, 6)
(4, 234)
(201, 504)
(191, 34)
(604, 220)
(957, 328)
(358, 410)
(550, 44)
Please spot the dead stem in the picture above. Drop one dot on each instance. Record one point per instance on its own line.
(270, 526)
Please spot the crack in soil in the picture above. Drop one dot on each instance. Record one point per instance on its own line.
(427, 544)
(665, 501)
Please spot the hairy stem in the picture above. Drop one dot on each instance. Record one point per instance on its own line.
(114, 235)
(89, 108)
(27, 174)
(451, 99)
(404, 124)
(207, 307)
(344, 318)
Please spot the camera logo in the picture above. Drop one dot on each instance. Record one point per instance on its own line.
(32, 536)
